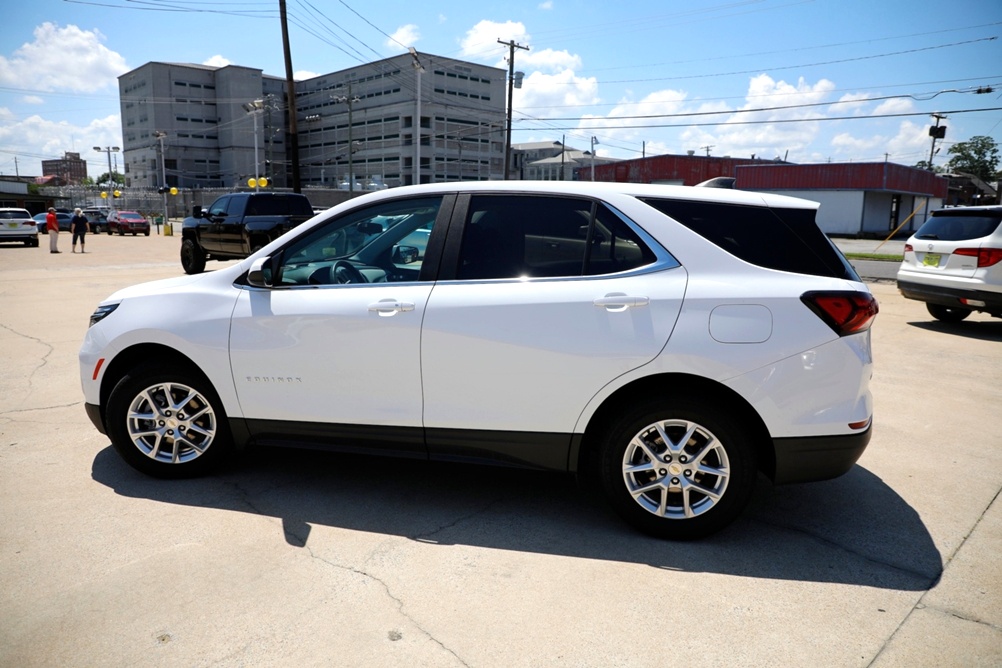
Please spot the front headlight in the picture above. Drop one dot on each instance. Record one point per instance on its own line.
(102, 312)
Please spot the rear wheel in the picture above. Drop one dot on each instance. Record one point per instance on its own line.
(947, 313)
(192, 257)
(676, 469)
(167, 422)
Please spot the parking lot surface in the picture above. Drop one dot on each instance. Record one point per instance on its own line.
(305, 558)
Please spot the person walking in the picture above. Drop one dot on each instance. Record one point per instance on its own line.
(79, 226)
(52, 226)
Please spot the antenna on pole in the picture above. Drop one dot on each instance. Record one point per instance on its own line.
(707, 148)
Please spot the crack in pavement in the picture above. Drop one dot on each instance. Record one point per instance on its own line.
(920, 603)
(931, 580)
(299, 531)
(45, 357)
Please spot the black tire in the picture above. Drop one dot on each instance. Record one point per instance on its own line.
(121, 232)
(108, 230)
(672, 504)
(179, 403)
(146, 233)
(947, 313)
(192, 257)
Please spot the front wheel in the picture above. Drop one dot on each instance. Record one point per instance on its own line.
(947, 313)
(167, 422)
(192, 257)
(677, 469)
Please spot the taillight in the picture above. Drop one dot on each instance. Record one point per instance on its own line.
(845, 312)
(909, 248)
(986, 256)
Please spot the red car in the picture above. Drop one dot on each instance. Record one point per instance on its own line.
(127, 221)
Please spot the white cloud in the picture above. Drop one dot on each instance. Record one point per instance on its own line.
(547, 59)
(895, 106)
(303, 75)
(38, 136)
(546, 5)
(545, 94)
(217, 61)
(774, 134)
(481, 41)
(32, 99)
(408, 35)
(63, 59)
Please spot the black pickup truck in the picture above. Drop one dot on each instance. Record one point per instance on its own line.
(236, 225)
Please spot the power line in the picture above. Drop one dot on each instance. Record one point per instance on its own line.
(768, 122)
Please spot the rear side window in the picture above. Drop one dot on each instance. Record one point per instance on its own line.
(530, 236)
(960, 225)
(781, 239)
(279, 205)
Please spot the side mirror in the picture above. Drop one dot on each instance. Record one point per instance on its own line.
(405, 254)
(260, 274)
(196, 211)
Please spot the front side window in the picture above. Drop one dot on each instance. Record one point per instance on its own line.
(218, 207)
(378, 244)
(526, 236)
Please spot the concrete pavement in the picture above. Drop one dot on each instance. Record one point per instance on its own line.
(302, 558)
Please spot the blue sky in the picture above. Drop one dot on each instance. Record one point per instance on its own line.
(631, 74)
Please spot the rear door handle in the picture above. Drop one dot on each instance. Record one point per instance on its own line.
(621, 302)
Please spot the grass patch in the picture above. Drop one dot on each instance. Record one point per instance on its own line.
(875, 256)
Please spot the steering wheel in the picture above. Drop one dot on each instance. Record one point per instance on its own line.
(345, 272)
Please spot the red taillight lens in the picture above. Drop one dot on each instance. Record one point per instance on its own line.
(986, 256)
(909, 248)
(845, 312)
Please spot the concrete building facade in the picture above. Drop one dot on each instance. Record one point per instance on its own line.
(210, 135)
(552, 161)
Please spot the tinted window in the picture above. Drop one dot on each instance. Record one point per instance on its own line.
(960, 225)
(14, 215)
(524, 236)
(384, 243)
(278, 205)
(783, 239)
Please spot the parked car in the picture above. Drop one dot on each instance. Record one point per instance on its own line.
(128, 221)
(666, 342)
(18, 225)
(236, 225)
(953, 263)
(98, 220)
(63, 219)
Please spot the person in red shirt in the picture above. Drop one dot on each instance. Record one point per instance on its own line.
(52, 225)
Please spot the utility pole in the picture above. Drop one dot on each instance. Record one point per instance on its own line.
(290, 88)
(511, 83)
(936, 132)
(707, 150)
(418, 71)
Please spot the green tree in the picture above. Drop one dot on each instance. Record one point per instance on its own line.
(86, 181)
(978, 156)
(924, 164)
(115, 177)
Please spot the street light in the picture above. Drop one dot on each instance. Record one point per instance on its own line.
(109, 150)
(350, 100)
(594, 140)
(255, 109)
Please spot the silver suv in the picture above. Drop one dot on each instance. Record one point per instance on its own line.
(953, 263)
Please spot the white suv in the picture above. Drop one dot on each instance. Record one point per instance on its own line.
(953, 263)
(18, 225)
(671, 341)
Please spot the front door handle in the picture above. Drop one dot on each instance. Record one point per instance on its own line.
(390, 306)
